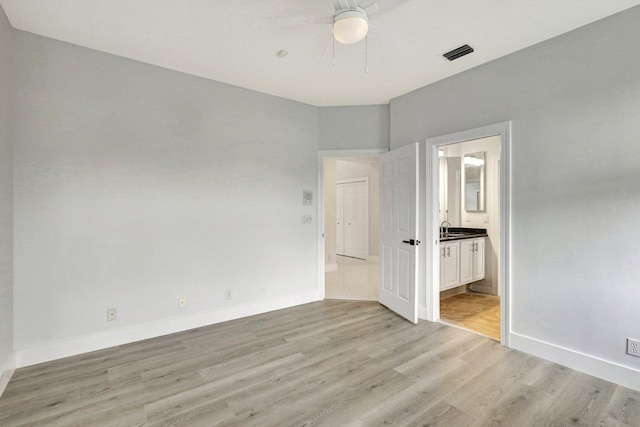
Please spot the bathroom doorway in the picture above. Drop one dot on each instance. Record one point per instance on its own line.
(469, 286)
(469, 224)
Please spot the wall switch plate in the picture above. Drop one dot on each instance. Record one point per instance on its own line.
(182, 302)
(112, 314)
(227, 295)
(307, 198)
(306, 219)
(633, 347)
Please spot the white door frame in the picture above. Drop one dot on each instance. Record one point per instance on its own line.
(322, 154)
(432, 302)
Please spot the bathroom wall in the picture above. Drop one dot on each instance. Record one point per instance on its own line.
(490, 219)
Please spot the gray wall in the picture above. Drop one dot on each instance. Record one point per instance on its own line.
(358, 127)
(136, 185)
(6, 198)
(573, 103)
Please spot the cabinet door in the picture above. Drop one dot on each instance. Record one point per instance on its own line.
(443, 267)
(478, 259)
(466, 261)
(451, 267)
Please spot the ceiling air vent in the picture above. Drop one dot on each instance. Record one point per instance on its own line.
(458, 52)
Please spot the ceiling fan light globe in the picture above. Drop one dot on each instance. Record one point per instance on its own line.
(350, 26)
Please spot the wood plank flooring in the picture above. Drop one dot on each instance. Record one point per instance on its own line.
(330, 363)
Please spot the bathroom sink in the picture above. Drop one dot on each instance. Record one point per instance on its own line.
(462, 233)
(454, 235)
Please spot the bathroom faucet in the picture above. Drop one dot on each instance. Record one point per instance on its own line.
(445, 229)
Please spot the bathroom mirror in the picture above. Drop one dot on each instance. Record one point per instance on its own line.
(474, 191)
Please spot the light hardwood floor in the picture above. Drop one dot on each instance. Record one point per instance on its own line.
(332, 363)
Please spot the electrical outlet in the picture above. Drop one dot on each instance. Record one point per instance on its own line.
(306, 219)
(112, 314)
(227, 295)
(182, 302)
(633, 347)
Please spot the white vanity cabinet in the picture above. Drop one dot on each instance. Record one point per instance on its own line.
(471, 260)
(461, 262)
(449, 265)
(478, 260)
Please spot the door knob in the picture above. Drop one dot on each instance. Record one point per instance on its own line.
(412, 242)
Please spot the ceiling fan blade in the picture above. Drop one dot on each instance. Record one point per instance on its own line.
(344, 4)
(371, 8)
(379, 7)
(298, 20)
(337, 4)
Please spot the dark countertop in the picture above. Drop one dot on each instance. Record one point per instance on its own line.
(460, 233)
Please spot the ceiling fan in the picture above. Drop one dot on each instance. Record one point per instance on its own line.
(351, 17)
(351, 24)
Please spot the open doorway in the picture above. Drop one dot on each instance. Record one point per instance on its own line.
(469, 225)
(497, 263)
(351, 204)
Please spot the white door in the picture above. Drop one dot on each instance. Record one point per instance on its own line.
(399, 231)
(339, 220)
(356, 219)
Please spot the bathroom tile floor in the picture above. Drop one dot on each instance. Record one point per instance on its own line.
(473, 311)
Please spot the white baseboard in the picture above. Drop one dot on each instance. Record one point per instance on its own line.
(331, 267)
(101, 340)
(6, 371)
(600, 368)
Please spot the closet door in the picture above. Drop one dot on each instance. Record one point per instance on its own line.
(356, 219)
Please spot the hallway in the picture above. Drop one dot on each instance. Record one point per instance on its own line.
(355, 279)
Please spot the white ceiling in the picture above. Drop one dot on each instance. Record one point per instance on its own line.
(233, 41)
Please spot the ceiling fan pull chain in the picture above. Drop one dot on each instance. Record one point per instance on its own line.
(333, 51)
(366, 54)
